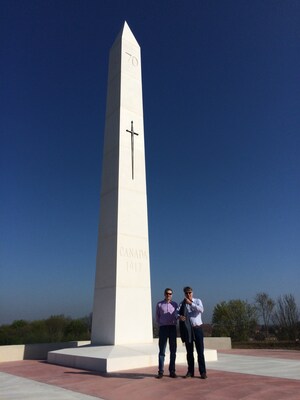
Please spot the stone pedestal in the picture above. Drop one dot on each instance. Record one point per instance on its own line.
(118, 358)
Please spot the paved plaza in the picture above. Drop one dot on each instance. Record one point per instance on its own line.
(238, 374)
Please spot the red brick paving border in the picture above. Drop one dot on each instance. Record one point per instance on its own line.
(141, 384)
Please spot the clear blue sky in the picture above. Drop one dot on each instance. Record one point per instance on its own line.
(222, 128)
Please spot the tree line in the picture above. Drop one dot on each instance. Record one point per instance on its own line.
(264, 319)
(57, 328)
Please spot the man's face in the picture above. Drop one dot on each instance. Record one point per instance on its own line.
(168, 295)
(188, 294)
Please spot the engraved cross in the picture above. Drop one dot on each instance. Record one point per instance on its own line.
(132, 148)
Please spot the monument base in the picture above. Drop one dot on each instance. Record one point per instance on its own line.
(118, 358)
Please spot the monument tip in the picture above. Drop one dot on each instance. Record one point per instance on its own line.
(127, 34)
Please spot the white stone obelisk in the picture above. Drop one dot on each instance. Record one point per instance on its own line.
(122, 298)
(122, 336)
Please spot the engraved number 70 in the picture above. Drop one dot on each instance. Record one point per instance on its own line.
(132, 59)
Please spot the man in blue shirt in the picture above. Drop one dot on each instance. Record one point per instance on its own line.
(190, 324)
(166, 318)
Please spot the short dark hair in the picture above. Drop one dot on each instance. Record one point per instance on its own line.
(187, 289)
(167, 289)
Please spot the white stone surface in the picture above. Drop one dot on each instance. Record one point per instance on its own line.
(263, 366)
(119, 358)
(122, 300)
(17, 388)
(39, 351)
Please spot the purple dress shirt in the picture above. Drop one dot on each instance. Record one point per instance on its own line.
(166, 313)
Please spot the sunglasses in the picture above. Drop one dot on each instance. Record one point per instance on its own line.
(188, 292)
(169, 294)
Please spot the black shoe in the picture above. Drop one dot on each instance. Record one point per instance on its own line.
(159, 375)
(203, 376)
(173, 375)
(189, 375)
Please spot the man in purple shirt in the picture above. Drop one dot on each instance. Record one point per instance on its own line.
(166, 318)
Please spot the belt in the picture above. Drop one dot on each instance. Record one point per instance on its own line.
(197, 326)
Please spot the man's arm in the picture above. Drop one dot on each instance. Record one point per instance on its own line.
(197, 305)
(157, 313)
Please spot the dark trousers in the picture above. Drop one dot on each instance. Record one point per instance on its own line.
(198, 338)
(167, 332)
